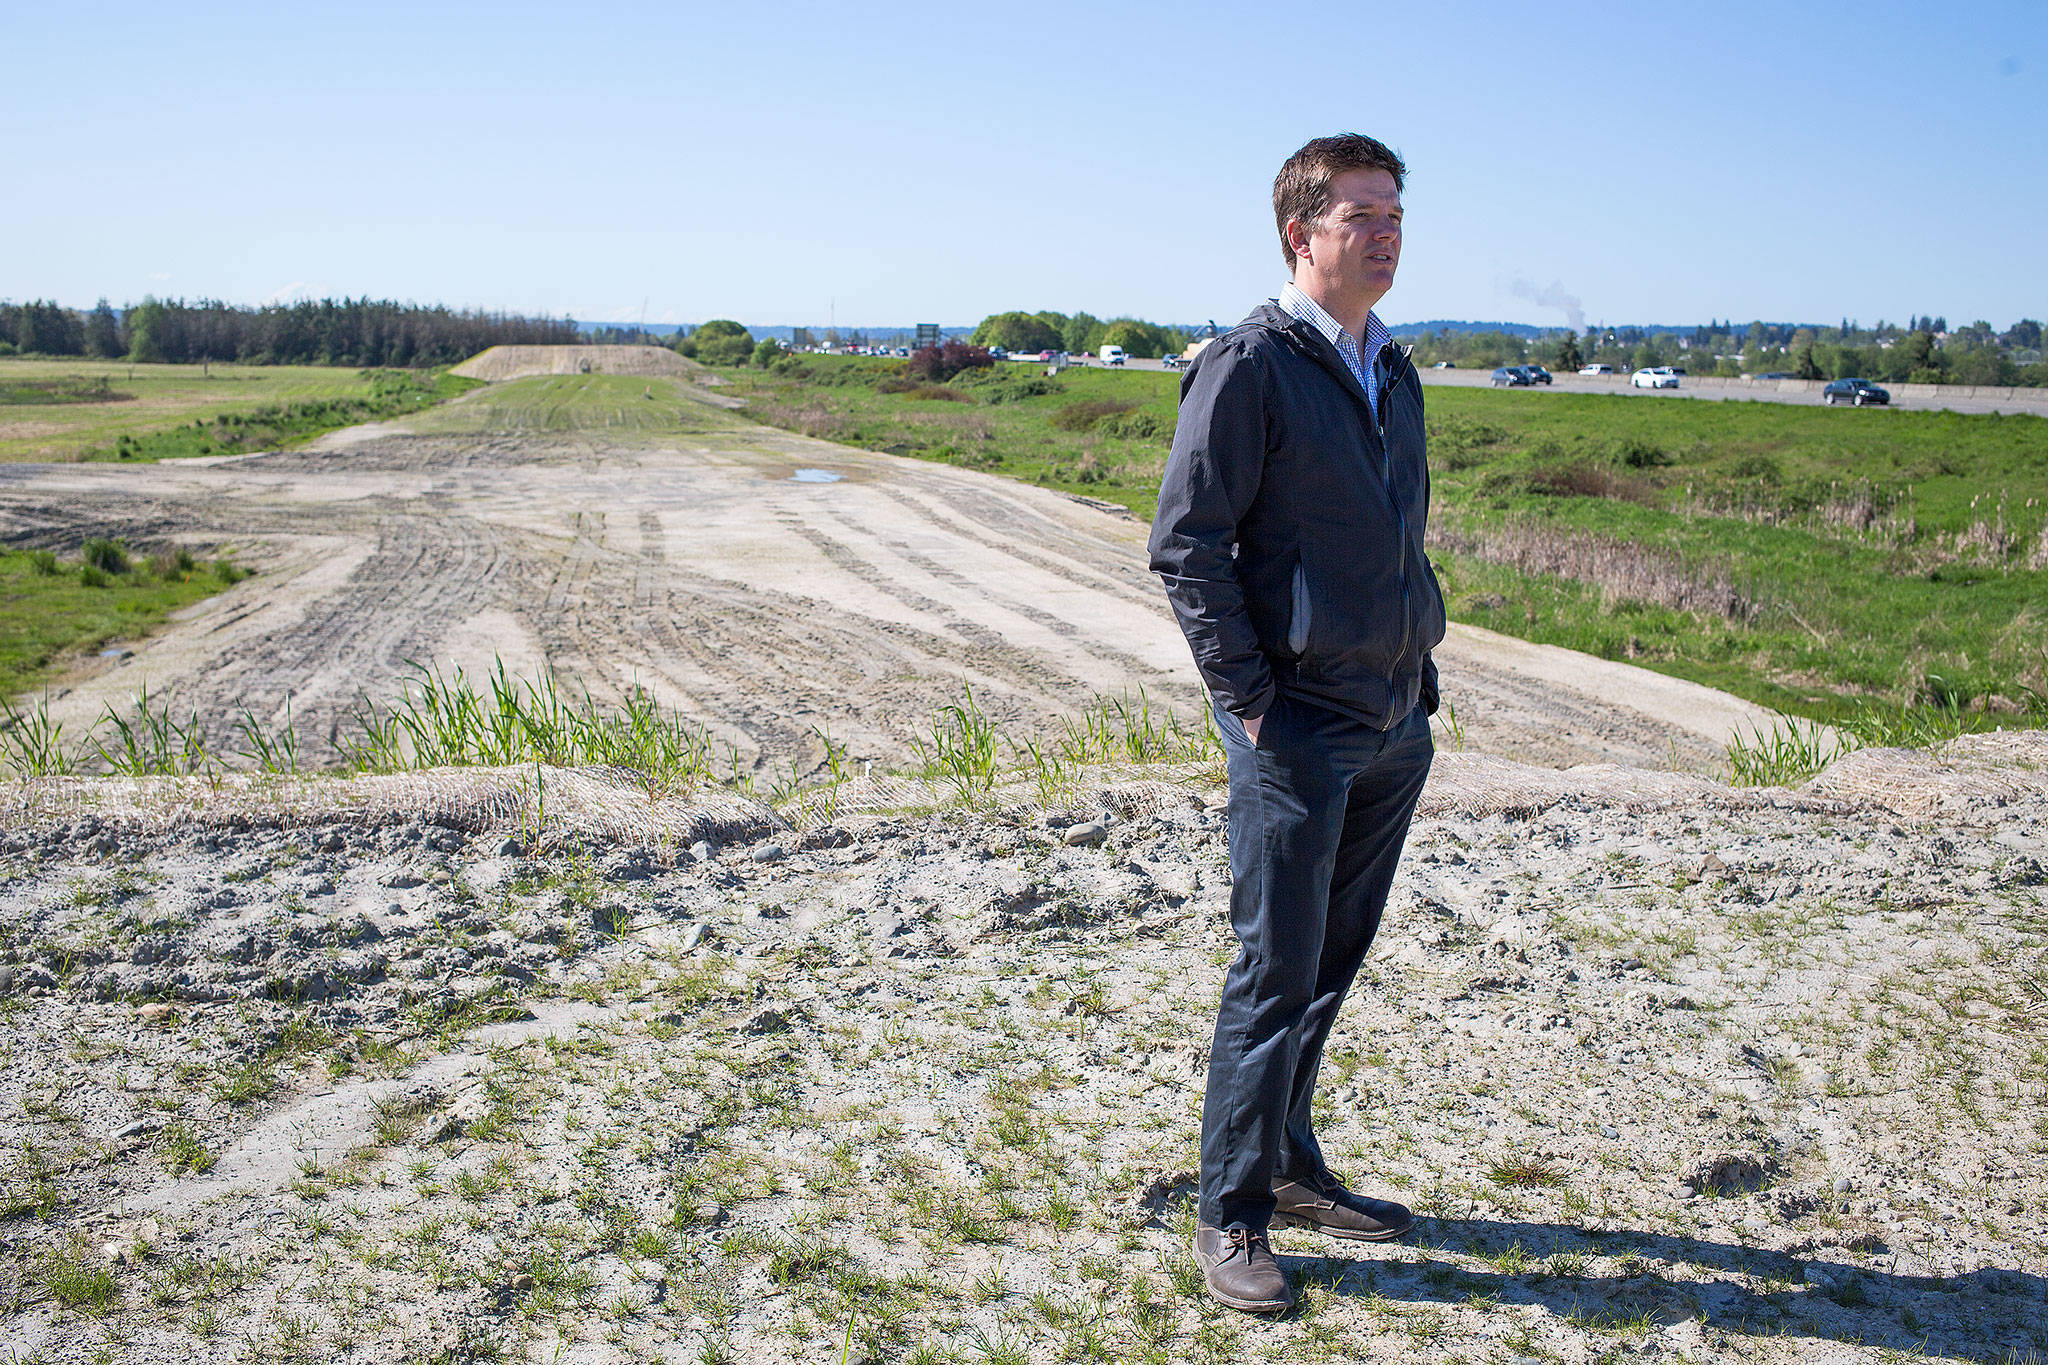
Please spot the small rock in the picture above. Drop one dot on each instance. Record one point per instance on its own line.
(1088, 833)
(148, 1233)
(1843, 1184)
(701, 851)
(135, 1129)
(1712, 866)
(691, 938)
(512, 848)
(768, 853)
(522, 1282)
(767, 1019)
(1608, 1132)
(330, 842)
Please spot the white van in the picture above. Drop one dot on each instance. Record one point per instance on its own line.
(1112, 355)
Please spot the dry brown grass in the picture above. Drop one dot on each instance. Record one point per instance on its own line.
(1623, 571)
(1083, 415)
(812, 418)
(1593, 481)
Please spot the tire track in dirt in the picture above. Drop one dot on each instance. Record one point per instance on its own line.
(693, 567)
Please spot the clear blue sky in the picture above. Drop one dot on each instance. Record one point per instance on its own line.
(899, 163)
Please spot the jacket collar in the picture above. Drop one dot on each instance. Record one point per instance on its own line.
(1305, 338)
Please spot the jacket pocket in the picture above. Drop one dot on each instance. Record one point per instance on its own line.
(1302, 613)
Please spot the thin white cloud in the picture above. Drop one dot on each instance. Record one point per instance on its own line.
(160, 275)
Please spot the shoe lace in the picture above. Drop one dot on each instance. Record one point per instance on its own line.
(1244, 1239)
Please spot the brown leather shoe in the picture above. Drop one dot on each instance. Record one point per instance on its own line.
(1321, 1202)
(1238, 1266)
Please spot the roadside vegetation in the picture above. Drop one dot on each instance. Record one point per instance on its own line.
(1809, 560)
(111, 410)
(55, 608)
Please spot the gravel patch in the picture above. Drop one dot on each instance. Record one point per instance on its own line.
(1698, 1079)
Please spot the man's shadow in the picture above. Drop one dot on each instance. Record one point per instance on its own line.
(1989, 1315)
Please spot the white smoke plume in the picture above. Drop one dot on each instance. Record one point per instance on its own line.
(1551, 297)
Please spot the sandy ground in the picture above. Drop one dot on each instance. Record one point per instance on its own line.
(700, 567)
(1709, 1076)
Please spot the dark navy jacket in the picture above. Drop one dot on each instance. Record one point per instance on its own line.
(1290, 526)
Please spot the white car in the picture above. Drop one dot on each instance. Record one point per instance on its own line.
(1596, 369)
(1660, 377)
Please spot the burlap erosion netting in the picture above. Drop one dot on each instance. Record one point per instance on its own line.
(1977, 773)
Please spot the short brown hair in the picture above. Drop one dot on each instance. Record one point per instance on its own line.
(1302, 189)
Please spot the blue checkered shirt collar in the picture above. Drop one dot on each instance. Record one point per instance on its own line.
(1360, 363)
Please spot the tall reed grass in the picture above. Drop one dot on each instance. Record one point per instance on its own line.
(443, 720)
(1623, 571)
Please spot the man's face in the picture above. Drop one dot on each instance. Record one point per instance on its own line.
(1355, 249)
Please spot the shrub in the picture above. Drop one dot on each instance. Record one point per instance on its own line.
(229, 572)
(1083, 415)
(172, 562)
(940, 363)
(1012, 393)
(1134, 426)
(935, 393)
(1637, 453)
(767, 353)
(1590, 481)
(92, 578)
(108, 556)
(1762, 468)
(44, 562)
(720, 341)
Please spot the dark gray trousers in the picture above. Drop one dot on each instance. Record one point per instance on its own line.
(1318, 813)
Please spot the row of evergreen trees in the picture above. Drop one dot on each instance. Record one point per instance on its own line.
(357, 332)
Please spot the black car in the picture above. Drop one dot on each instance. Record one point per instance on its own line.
(1537, 374)
(1511, 376)
(1776, 374)
(1861, 392)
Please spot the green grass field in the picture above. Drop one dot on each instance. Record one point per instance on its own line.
(89, 409)
(1806, 558)
(53, 609)
(578, 402)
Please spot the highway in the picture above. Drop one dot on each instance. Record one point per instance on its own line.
(1904, 397)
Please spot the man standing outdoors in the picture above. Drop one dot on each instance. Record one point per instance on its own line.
(1289, 537)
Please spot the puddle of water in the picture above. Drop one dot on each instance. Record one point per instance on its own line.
(815, 476)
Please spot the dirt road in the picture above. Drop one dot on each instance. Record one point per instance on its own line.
(689, 552)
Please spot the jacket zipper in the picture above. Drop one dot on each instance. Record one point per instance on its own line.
(1400, 526)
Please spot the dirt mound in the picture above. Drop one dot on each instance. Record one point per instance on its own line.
(1975, 772)
(601, 803)
(500, 363)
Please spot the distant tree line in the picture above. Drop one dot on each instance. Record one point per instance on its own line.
(356, 332)
(1078, 333)
(1924, 352)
